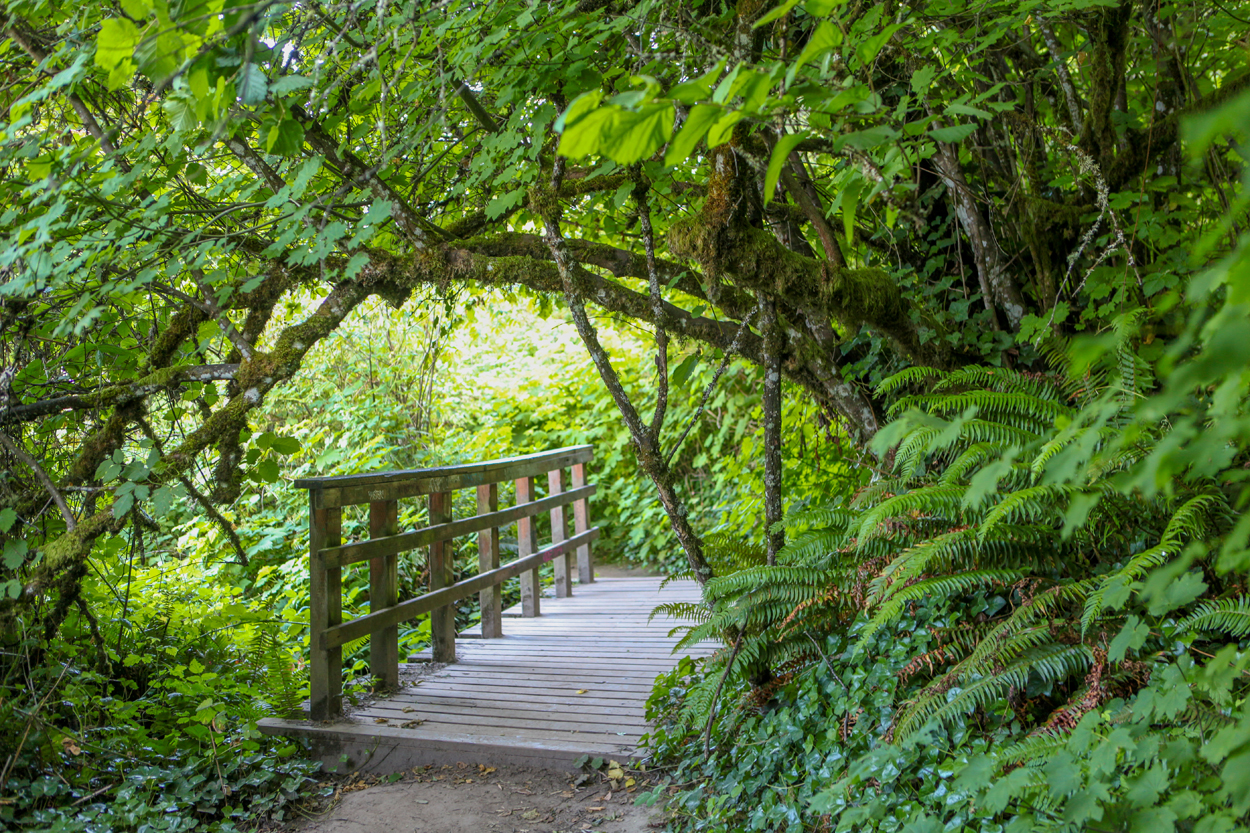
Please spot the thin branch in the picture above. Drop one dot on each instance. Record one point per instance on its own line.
(734, 349)
(657, 305)
(1061, 69)
(43, 478)
(201, 499)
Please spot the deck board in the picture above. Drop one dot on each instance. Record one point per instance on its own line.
(571, 682)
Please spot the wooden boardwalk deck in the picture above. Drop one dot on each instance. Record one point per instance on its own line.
(571, 682)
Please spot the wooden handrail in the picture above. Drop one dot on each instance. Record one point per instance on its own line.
(352, 490)
(382, 491)
(405, 541)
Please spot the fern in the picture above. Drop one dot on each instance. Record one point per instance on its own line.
(1229, 616)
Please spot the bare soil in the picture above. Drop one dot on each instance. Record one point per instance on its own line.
(480, 799)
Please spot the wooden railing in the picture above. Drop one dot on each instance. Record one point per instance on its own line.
(328, 495)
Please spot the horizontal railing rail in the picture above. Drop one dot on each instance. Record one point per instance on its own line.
(382, 492)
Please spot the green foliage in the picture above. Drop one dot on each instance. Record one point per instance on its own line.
(1028, 633)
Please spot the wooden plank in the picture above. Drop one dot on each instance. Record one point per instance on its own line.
(558, 720)
(490, 598)
(559, 532)
(414, 539)
(581, 522)
(623, 702)
(383, 594)
(325, 495)
(411, 609)
(527, 543)
(442, 575)
(541, 458)
(325, 611)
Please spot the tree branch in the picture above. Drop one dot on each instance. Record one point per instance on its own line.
(42, 477)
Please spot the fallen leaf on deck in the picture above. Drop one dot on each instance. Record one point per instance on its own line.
(421, 801)
(411, 724)
(485, 770)
(594, 809)
(381, 720)
(582, 690)
(409, 709)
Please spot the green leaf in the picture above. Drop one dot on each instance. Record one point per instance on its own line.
(8, 517)
(14, 553)
(723, 129)
(115, 49)
(645, 132)
(123, 504)
(251, 85)
(921, 79)
(781, 153)
(286, 138)
(867, 51)
(1131, 636)
(268, 471)
(697, 123)
(588, 134)
(826, 37)
(286, 446)
(578, 109)
(953, 134)
(775, 13)
(683, 371)
(138, 9)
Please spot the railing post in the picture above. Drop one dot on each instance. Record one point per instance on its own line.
(488, 559)
(581, 523)
(384, 593)
(325, 609)
(559, 532)
(527, 544)
(442, 574)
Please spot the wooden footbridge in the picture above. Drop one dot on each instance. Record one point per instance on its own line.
(569, 678)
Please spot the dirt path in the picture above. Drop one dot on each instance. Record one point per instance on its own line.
(507, 799)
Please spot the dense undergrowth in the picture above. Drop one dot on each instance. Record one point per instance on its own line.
(154, 699)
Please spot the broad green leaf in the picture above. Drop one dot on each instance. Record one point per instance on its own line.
(826, 37)
(781, 153)
(14, 553)
(8, 517)
(697, 123)
(115, 49)
(286, 446)
(578, 109)
(954, 134)
(775, 13)
(1132, 636)
(286, 138)
(587, 135)
(645, 132)
(721, 131)
(251, 84)
(867, 51)
(921, 79)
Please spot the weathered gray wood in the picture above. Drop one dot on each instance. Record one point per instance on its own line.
(491, 598)
(325, 611)
(405, 541)
(563, 565)
(581, 522)
(327, 492)
(517, 698)
(412, 608)
(527, 544)
(384, 594)
(442, 574)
